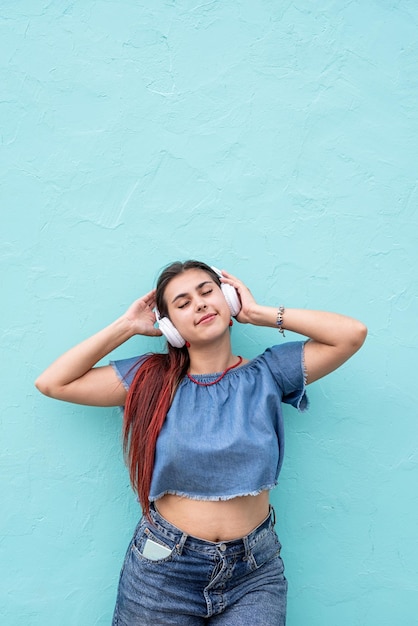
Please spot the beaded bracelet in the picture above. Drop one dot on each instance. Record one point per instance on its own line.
(279, 320)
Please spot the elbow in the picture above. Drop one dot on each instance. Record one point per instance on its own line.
(359, 335)
(50, 388)
(43, 386)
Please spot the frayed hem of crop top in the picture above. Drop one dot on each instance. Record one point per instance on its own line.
(193, 496)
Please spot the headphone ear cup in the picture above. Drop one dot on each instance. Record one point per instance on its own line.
(232, 298)
(230, 294)
(169, 331)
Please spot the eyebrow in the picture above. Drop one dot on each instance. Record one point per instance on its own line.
(199, 286)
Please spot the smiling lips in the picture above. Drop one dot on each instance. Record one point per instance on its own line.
(206, 317)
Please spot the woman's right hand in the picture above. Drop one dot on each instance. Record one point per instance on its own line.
(142, 317)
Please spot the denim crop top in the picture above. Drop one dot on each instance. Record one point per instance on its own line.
(226, 440)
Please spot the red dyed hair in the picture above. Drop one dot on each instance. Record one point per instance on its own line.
(151, 393)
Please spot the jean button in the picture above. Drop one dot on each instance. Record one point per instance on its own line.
(222, 547)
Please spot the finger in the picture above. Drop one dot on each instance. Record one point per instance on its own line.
(232, 280)
(227, 277)
(149, 297)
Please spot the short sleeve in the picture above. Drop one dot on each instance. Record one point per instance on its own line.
(286, 363)
(127, 368)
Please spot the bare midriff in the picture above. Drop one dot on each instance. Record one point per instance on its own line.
(220, 520)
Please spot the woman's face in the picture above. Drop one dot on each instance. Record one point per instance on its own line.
(197, 307)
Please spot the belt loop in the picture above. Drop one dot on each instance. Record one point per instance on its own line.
(180, 544)
(273, 514)
(247, 555)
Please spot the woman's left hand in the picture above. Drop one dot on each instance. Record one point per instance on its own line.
(248, 303)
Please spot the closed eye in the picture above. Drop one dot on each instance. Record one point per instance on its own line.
(204, 293)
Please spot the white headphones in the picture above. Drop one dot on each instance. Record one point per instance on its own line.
(171, 333)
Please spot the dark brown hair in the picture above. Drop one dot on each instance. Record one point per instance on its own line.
(151, 393)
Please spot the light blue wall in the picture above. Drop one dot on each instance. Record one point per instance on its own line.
(276, 139)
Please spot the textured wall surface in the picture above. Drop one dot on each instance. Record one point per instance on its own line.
(276, 139)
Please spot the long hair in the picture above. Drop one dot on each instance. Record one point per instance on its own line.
(151, 393)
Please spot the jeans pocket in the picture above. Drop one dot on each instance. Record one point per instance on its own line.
(267, 549)
(149, 546)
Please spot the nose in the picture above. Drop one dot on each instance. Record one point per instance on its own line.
(200, 306)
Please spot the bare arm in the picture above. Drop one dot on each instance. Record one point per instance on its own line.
(334, 337)
(73, 377)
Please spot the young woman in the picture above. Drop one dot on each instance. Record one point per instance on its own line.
(203, 436)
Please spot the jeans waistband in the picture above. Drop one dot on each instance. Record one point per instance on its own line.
(243, 544)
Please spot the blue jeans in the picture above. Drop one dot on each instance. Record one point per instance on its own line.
(196, 582)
